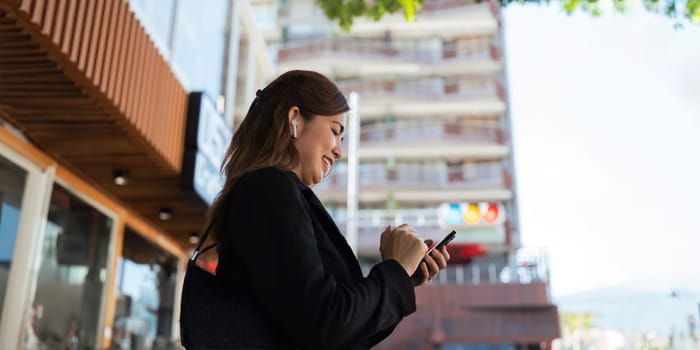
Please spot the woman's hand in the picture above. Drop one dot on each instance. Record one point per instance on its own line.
(430, 266)
(403, 245)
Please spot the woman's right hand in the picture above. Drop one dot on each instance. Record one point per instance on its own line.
(403, 245)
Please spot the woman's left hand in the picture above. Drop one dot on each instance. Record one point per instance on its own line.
(431, 265)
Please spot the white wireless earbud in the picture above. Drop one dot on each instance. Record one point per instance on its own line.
(294, 125)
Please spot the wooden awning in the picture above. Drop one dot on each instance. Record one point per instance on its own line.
(84, 82)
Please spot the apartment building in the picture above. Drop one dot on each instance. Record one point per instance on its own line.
(435, 152)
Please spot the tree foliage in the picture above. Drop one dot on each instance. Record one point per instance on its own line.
(571, 322)
(345, 11)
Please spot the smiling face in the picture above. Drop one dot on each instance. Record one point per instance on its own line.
(318, 143)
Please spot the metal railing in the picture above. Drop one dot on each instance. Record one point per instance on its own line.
(486, 175)
(290, 11)
(478, 49)
(430, 130)
(300, 10)
(380, 218)
(532, 266)
(440, 6)
(427, 88)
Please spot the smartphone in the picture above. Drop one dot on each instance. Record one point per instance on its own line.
(450, 236)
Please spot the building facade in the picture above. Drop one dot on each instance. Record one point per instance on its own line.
(103, 174)
(434, 152)
(101, 103)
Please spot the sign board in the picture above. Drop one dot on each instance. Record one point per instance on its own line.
(477, 222)
(471, 214)
(206, 138)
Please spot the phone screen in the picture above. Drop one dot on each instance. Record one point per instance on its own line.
(450, 236)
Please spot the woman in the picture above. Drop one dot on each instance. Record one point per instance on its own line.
(296, 282)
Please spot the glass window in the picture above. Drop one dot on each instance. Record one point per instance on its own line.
(156, 17)
(12, 180)
(303, 32)
(143, 317)
(265, 15)
(198, 47)
(65, 311)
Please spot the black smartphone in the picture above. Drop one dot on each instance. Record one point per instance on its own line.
(450, 236)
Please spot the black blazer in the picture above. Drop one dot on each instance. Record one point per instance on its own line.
(280, 242)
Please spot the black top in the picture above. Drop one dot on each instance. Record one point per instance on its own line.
(280, 242)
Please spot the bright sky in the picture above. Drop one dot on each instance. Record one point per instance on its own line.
(606, 118)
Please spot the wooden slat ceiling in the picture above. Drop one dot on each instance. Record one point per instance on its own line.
(83, 81)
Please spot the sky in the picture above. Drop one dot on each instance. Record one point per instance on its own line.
(606, 131)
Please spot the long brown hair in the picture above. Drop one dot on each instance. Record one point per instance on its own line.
(264, 139)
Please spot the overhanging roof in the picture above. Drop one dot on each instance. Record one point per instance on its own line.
(84, 82)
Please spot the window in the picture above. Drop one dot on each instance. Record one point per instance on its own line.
(156, 17)
(198, 44)
(143, 317)
(73, 255)
(12, 181)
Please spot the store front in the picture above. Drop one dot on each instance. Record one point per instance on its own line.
(95, 222)
(78, 269)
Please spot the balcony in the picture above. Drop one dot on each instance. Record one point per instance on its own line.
(531, 266)
(352, 57)
(428, 130)
(429, 177)
(503, 310)
(406, 99)
(479, 49)
(449, 7)
(438, 18)
(300, 12)
(425, 139)
(372, 219)
(427, 221)
(478, 314)
(428, 89)
(411, 183)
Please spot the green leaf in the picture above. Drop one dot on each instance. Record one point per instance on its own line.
(345, 11)
(570, 5)
(357, 7)
(620, 6)
(652, 5)
(393, 5)
(671, 9)
(692, 11)
(376, 12)
(410, 8)
(590, 5)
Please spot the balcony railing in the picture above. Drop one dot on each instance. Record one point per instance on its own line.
(477, 49)
(431, 130)
(369, 220)
(426, 89)
(479, 176)
(532, 266)
(442, 6)
(380, 218)
(290, 11)
(300, 10)
(428, 222)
